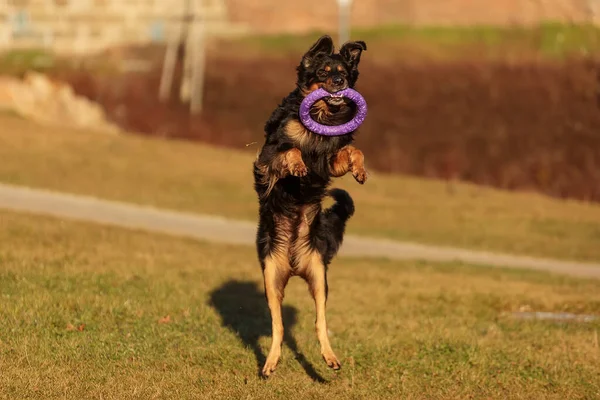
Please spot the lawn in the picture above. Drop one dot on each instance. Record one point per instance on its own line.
(198, 178)
(97, 312)
(549, 40)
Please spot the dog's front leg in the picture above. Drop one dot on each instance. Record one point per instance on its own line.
(289, 162)
(273, 165)
(349, 159)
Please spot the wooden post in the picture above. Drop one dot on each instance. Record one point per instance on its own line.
(192, 33)
(169, 63)
(198, 67)
(186, 78)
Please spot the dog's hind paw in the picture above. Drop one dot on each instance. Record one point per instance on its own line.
(332, 361)
(269, 368)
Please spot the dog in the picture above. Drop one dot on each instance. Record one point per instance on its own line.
(292, 174)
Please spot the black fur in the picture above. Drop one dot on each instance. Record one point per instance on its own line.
(290, 195)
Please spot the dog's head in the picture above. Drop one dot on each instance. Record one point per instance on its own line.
(322, 68)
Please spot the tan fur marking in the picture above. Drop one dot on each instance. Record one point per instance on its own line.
(287, 163)
(321, 109)
(357, 160)
(294, 163)
(301, 251)
(283, 235)
(309, 213)
(297, 132)
(340, 163)
(327, 68)
(312, 88)
(317, 283)
(276, 276)
(269, 176)
(348, 159)
(340, 68)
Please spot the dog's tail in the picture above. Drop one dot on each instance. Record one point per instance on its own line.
(343, 208)
(333, 221)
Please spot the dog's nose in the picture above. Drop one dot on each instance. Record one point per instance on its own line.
(338, 80)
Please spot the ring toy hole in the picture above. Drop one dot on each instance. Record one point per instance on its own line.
(335, 130)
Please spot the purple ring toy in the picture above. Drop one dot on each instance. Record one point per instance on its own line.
(336, 130)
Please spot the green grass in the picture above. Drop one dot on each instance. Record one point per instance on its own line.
(401, 329)
(17, 61)
(198, 178)
(550, 40)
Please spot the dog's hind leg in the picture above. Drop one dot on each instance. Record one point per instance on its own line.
(276, 275)
(316, 277)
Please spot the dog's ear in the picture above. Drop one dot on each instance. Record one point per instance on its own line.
(351, 51)
(322, 46)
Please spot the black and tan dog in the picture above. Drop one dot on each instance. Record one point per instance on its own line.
(292, 173)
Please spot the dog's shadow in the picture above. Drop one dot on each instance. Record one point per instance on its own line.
(243, 309)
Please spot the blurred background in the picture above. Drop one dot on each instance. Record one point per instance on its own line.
(501, 93)
(483, 135)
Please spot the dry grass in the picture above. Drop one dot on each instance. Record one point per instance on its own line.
(198, 178)
(95, 312)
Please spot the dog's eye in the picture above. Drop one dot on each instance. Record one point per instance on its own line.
(321, 73)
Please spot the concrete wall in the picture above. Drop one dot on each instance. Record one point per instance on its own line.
(83, 26)
(275, 16)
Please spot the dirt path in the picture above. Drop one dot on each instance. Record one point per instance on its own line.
(222, 230)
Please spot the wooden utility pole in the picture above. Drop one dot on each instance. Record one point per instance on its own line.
(344, 20)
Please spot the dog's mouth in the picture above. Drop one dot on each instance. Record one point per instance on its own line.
(335, 99)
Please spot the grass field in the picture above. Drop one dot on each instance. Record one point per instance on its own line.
(193, 177)
(95, 312)
(548, 40)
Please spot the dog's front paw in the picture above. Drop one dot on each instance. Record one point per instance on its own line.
(360, 174)
(298, 169)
